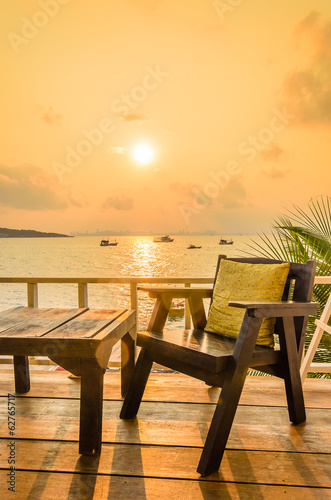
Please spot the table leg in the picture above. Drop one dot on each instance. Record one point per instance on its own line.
(22, 375)
(90, 434)
(128, 355)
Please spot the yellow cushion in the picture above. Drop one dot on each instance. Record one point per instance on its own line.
(243, 281)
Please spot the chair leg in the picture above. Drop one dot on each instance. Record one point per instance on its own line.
(137, 386)
(221, 424)
(293, 384)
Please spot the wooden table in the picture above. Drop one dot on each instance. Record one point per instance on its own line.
(164, 296)
(79, 340)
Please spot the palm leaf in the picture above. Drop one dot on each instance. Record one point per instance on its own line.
(317, 245)
(298, 236)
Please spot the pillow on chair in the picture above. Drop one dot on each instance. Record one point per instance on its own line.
(243, 281)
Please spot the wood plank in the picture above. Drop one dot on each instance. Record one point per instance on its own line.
(6, 317)
(175, 462)
(172, 424)
(163, 386)
(87, 325)
(37, 322)
(42, 485)
(120, 326)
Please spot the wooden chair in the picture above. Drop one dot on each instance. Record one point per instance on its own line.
(223, 362)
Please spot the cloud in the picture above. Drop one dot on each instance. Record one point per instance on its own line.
(306, 91)
(30, 187)
(50, 117)
(307, 24)
(5, 179)
(182, 189)
(273, 153)
(119, 203)
(233, 196)
(275, 172)
(132, 117)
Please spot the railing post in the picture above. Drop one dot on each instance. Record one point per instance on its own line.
(32, 294)
(82, 295)
(134, 299)
(187, 313)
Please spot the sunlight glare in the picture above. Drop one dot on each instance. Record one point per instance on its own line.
(143, 154)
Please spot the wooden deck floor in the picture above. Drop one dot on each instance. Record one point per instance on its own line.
(155, 456)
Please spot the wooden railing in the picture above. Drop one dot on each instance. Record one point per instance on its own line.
(82, 295)
(82, 287)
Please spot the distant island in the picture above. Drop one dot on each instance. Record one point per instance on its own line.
(28, 233)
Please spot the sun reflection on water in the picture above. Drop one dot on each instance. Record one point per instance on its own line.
(144, 258)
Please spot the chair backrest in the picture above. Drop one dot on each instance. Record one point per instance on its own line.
(298, 287)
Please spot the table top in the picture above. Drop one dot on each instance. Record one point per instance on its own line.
(66, 324)
(66, 336)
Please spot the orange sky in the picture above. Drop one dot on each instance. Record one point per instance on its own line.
(233, 96)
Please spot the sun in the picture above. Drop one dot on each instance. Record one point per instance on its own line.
(143, 153)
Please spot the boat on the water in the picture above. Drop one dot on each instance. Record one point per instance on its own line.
(190, 247)
(177, 309)
(107, 243)
(163, 239)
(225, 242)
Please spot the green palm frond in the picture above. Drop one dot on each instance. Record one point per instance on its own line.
(298, 236)
(317, 217)
(317, 246)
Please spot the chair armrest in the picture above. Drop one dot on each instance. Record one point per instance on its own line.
(179, 292)
(277, 309)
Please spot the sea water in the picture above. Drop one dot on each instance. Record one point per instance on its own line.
(134, 256)
(80, 257)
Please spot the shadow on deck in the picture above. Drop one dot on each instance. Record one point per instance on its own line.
(156, 455)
